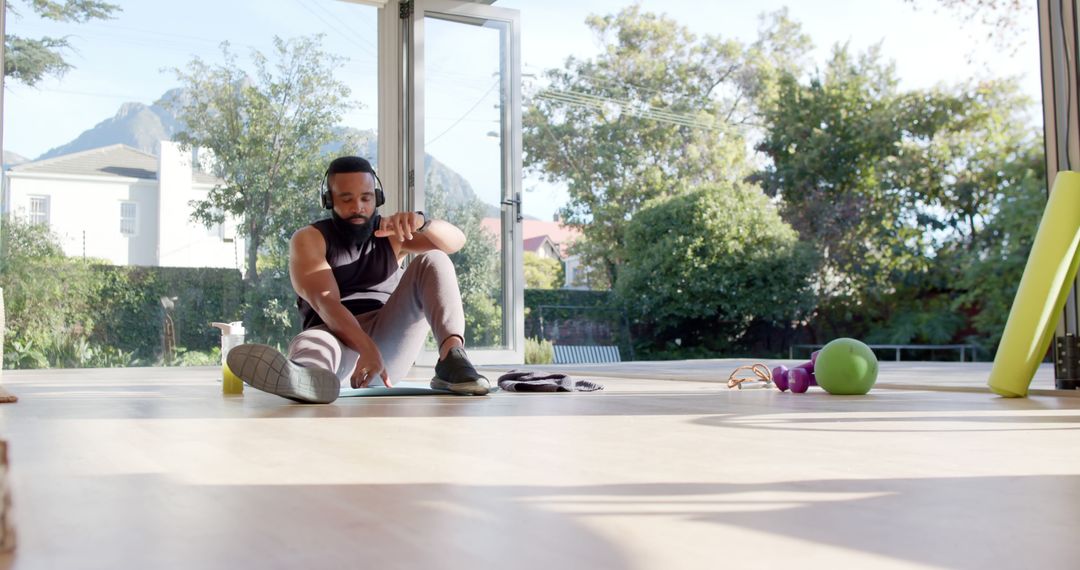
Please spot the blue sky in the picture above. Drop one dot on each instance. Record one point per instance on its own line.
(127, 59)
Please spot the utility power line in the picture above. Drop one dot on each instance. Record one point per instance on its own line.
(637, 109)
(494, 84)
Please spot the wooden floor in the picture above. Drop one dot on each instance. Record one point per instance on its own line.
(666, 468)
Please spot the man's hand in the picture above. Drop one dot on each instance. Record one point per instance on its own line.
(368, 366)
(400, 225)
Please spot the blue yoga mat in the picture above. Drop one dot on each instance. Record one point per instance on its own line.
(399, 389)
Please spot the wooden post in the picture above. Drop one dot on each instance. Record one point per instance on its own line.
(7, 522)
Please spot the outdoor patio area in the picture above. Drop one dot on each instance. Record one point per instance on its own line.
(665, 468)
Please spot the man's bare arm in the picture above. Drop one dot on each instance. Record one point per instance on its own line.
(401, 229)
(439, 235)
(313, 280)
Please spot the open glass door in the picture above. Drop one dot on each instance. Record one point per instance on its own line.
(463, 156)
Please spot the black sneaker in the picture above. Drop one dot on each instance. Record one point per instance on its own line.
(262, 367)
(456, 374)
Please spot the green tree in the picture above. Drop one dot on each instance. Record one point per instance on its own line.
(956, 154)
(830, 143)
(542, 272)
(658, 112)
(894, 189)
(981, 179)
(704, 265)
(29, 60)
(265, 131)
(999, 252)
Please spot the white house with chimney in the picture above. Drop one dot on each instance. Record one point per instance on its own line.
(124, 206)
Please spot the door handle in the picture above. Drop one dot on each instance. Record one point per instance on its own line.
(516, 203)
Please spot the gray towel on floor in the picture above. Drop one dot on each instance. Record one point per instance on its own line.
(534, 381)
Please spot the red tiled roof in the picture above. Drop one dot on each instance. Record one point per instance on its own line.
(533, 243)
(559, 234)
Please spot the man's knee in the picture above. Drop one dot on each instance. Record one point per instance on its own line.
(436, 260)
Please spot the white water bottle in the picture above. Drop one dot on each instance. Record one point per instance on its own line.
(232, 335)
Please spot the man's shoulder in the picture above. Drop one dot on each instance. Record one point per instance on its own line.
(311, 229)
(309, 234)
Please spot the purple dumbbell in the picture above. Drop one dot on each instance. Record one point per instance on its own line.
(809, 368)
(799, 379)
(813, 363)
(780, 377)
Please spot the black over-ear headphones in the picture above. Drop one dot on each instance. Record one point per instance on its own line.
(349, 164)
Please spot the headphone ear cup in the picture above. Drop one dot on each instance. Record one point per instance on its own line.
(324, 196)
(380, 196)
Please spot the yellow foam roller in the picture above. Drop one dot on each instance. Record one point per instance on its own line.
(1044, 288)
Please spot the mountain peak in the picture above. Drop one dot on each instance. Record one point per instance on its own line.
(134, 124)
(128, 109)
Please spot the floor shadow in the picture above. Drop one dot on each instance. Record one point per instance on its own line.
(964, 522)
(149, 521)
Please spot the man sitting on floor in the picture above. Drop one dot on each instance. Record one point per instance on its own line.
(364, 317)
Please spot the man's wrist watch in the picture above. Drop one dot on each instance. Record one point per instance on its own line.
(427, 222)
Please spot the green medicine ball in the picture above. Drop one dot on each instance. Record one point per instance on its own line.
(846, 367)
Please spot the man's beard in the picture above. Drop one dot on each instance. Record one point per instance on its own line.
(356, 233)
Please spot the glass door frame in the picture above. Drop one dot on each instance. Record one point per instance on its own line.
(412, 155)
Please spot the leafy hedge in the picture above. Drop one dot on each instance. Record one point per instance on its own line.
(132, 315)
(74, 312)
(49, 300)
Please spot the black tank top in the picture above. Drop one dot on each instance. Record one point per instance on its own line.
(366, 274)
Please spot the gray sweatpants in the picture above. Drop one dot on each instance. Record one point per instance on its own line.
(427, 294)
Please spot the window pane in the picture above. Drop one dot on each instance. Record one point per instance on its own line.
(128, 218)
(462, 124)
(39, 210)
(742, 176)
(104, 134)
